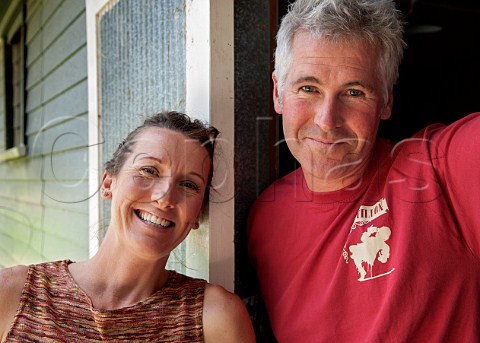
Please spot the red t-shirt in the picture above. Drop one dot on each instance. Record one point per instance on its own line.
(393, 258)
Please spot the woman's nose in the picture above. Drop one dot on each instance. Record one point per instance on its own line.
(163, 193)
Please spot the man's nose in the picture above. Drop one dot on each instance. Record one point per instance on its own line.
(328, 113)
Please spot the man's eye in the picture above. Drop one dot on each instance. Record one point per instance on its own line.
(354, 92)
(308, 89)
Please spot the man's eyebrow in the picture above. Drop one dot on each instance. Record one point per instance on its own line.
(313, 79)
(307, 79)
(358, 83)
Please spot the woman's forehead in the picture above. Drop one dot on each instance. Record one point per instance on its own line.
(165, 138)
(167, 146)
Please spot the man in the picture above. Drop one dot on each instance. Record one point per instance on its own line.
(367, 241)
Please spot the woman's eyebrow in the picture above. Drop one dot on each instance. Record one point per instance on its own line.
(198, 175)
(145, 156)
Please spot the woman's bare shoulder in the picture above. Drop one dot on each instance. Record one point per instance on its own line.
(12, 281)
(225, 318)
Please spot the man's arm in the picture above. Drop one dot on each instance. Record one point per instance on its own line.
(462, 176)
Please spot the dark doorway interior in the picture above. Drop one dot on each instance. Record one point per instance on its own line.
(439, 75)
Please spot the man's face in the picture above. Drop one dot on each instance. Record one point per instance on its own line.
(332, 102)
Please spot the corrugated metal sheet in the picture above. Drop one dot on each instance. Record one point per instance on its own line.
(142, 70)
(142, 66)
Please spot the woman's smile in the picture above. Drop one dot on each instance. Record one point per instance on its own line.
(153, 219)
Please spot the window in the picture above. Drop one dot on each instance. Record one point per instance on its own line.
(12, 88)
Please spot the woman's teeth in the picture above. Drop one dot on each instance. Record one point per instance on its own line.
(147, 217)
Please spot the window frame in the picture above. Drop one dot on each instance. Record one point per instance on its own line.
(12, 25)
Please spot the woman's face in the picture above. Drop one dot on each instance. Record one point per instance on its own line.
(158, 194)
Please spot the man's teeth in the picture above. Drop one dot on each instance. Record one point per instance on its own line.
(154, 219)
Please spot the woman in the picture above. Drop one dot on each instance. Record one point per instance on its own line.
(157, 182)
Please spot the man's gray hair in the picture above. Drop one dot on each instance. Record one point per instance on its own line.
(375, 21)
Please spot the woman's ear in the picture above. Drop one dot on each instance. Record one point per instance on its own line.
(105, 190)
(196, 225)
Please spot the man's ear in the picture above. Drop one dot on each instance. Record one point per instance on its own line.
(105, 189)
(276, 99)
(387, 111)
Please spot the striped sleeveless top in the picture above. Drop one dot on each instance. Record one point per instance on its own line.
(54, 309)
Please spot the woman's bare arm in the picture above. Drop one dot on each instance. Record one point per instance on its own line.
(12, 281)
(225, 318)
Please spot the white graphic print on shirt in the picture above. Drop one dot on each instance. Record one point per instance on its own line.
(368, 244)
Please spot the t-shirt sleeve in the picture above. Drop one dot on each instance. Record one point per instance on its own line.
(458, 165)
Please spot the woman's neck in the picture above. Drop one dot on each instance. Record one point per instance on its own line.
(115, 280)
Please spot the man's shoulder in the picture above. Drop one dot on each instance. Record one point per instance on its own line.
(274, 199)
(438, 130)
(285, 184)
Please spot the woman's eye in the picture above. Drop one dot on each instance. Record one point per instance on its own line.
(148, 171)
(308, 89)
(354, 92)
(190, 185)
